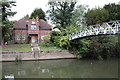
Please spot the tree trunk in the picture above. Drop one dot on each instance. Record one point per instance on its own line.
(2, 41)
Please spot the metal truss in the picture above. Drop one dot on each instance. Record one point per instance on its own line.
(107, 28)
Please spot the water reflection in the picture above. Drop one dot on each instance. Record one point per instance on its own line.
(23, 72)
(45, 70)
(69, 68)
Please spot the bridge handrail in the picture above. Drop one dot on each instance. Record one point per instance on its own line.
(110, 27)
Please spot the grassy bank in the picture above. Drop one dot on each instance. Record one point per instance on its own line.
(26, 47)
(46, 48)
(16, 47)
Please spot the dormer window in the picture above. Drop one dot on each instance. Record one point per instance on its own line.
(33, 26)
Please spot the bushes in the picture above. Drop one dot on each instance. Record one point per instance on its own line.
(59, 40)
(46, 38)
(29, 39)
(80, 48)
(104, 46)
(64, 42)
(99, 47)
(56, 40)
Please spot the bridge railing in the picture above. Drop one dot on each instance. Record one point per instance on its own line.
(112, 27)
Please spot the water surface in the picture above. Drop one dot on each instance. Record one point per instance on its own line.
(67, 68)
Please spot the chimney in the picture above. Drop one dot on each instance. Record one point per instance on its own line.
(37, 18)
(27, 17)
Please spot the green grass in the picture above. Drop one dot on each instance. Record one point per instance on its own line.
(26, 47)
(44, 48)
(16, 47)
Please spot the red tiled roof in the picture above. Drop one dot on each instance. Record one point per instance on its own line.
(44, 24)
(21, 24)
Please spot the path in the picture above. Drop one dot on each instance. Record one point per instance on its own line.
(35, 49)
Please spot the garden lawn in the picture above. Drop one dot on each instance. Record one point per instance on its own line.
(16, 47)
(50, 48)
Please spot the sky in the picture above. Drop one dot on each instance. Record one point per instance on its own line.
(25, 7)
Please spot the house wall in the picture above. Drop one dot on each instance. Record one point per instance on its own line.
(25, 33)
(43, 33)
(19, 33)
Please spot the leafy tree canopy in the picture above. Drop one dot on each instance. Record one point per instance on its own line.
(96, 16)
(78, 18)
(38, 12)
(60, 12)
(5, 7)
(114, 11)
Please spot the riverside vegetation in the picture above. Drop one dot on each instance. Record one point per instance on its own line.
(99, 47)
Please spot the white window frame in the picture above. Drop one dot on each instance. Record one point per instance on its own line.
(18, 38)
(33, 27)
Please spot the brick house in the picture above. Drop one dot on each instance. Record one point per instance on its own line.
(32, 30)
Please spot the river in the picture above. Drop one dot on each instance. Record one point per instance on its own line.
(66, 68)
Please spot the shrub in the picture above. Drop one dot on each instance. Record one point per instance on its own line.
(46, 38)
(16, 42)
(29, 39)
(64, 42)
(80, 47)
(56, 40)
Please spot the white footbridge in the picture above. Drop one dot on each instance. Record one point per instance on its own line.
(107, 28)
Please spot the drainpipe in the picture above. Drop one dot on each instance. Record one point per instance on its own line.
(38, 38)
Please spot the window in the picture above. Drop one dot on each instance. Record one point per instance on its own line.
(20, 37)
(33, 26)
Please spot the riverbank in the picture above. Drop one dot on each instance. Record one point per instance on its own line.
(42, 55)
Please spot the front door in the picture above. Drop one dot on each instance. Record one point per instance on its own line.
(34, 39)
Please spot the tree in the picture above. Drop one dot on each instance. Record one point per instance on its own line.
(104, 46)
(96, 16)
(80, 48)
(60, 12)
(78, 18)
(69, 29)
(6, 25)
(46, 38)
(9, 35)
(114, 11)
(38, 12)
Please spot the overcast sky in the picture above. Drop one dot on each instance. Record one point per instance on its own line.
(25, 7)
